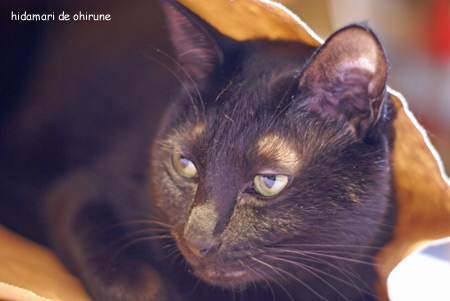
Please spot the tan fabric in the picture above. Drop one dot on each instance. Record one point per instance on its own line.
(244, 20)
(30, 272)
(423, 190)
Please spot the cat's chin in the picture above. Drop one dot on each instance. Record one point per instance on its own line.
(233, 279)
(217, 274)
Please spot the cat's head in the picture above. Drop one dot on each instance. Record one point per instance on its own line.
(272, 151)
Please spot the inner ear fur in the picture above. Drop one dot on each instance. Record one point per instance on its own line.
(196, 43)
(346, 78)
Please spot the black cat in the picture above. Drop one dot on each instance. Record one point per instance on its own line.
(269, 178)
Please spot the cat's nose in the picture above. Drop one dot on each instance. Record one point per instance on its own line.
(200, 247)
(198, 233)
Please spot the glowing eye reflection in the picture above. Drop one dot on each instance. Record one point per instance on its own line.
(270, 185)
(184, 166)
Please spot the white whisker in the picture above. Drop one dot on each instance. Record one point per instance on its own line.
(274, 268)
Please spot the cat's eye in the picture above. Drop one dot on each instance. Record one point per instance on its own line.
(184, 166)
(270, 185)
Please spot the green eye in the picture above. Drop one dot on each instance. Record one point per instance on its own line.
(184, 166)
(270, 185)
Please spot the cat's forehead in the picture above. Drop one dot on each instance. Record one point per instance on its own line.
(279, 149)
(181, 138)
(260, 137)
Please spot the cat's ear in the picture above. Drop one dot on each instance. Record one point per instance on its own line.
(195, 42)
(346, 79)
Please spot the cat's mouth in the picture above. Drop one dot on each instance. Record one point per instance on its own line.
(217, 274)
(214, 273)
(220, 277)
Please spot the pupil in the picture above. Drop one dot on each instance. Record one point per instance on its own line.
(269, 181)
(184, 162)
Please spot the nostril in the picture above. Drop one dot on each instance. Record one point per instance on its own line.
(200, 247)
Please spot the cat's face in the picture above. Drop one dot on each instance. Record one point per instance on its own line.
(262, 163)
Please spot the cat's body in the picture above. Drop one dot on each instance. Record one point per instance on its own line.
(269, 177)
